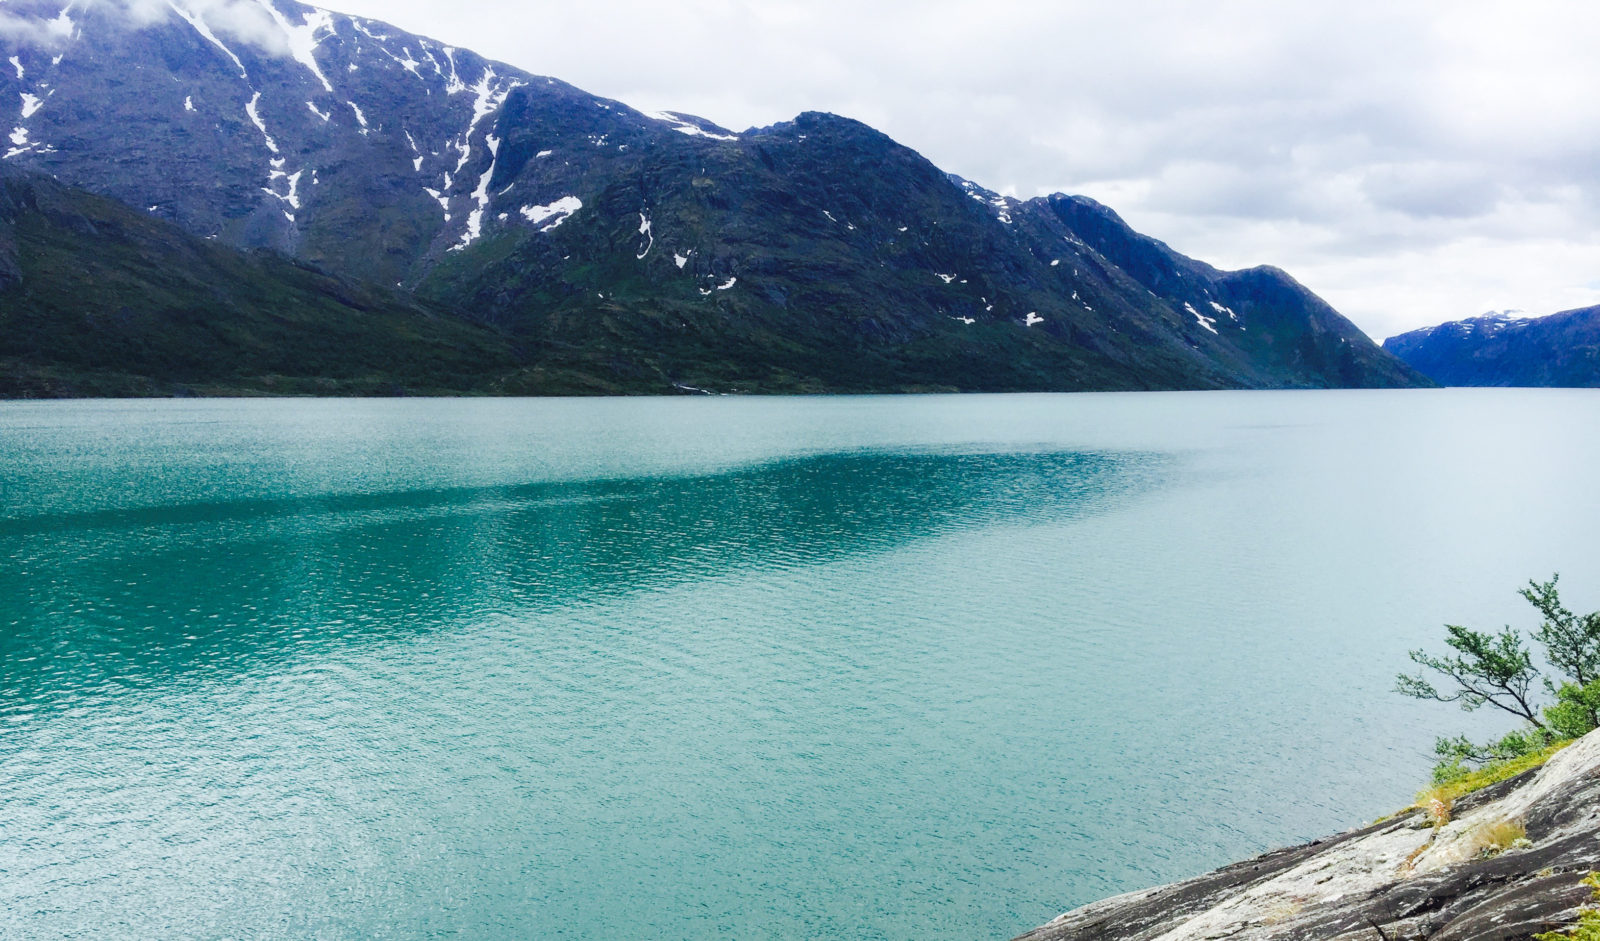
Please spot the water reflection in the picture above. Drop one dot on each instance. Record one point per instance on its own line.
(132, 597)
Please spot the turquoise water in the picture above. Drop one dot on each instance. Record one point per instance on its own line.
(758, 668)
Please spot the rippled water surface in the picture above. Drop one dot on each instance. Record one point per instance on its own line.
(896, 668)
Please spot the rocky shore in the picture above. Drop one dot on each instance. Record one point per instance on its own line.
(1508, 865)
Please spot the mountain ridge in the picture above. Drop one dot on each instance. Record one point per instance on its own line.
(647, 250)
(1508, 349)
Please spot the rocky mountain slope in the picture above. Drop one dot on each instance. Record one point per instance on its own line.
(97, 299)
(1398, 880)
(651, 251)
(1508, 349)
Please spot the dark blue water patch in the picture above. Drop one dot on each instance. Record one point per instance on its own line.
(133, 596)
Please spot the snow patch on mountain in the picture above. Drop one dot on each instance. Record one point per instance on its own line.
(683, 125)
(453, 85)
(19, 143)
(1001, 205)
(199, 25)
(253, 109)
(644, 230)
(481, 195)
(489, 100)
(442, 199)
(552, 215)
(408, 63)
(292, 180)
(1209, 323)
(302, 40)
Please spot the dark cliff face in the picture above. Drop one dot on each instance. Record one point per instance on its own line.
(1561, 351)
(651, 250)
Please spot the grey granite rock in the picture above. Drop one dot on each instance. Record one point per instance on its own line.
(1390, 880)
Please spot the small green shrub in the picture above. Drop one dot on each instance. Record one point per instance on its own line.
(1502, 672)
(1588, 926)
(1573, 714)
(1458, 755)
(1451, 783)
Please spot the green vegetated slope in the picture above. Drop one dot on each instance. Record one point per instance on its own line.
(96, 299)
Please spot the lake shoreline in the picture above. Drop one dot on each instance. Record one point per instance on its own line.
(1399, 879)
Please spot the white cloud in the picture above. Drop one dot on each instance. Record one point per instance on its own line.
(50, 25)
(245, 21)
(47, 32)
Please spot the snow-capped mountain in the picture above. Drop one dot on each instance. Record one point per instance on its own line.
(268, 124)
(1508, 348)
(651, 249)
(1487, 324)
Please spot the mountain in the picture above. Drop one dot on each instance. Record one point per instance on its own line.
(630, 251)
(1508, 349)
(97, 299)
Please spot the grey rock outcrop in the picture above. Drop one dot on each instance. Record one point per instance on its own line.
(1399, 880)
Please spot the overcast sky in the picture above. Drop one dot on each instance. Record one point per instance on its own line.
(1413, 162)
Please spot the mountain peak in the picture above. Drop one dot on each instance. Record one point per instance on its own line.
(1508, 348)
(637, 250)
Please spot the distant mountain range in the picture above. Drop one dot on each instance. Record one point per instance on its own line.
(1508, 348)
(550, 240)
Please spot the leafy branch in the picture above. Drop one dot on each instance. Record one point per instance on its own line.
(1499, 671)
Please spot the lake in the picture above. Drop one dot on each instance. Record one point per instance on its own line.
(876, 668)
